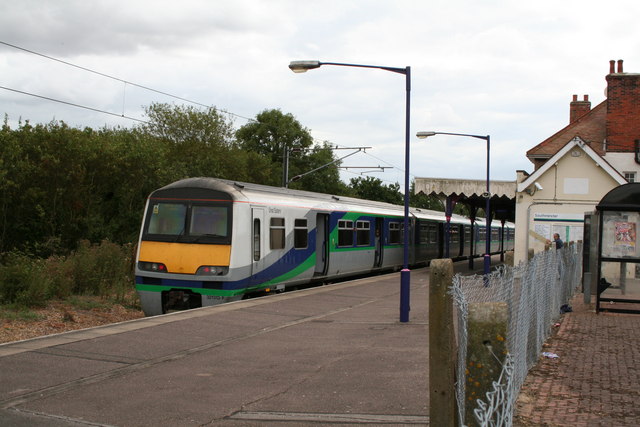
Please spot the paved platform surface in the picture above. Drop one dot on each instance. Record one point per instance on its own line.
(595, 381)
(333, 355)
(321, 356)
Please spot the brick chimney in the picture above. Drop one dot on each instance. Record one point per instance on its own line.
(578, 109)
(623, 109)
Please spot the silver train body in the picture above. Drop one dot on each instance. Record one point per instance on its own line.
(206, 241)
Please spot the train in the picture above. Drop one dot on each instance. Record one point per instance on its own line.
(206, 241)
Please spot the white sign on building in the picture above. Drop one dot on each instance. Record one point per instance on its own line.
(570, 227)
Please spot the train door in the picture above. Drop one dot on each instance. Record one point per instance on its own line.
(322, 244)
(379, 239)
(258, 239)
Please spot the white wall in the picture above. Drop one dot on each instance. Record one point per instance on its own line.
(575, 184)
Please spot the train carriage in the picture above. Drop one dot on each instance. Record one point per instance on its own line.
(206, 241)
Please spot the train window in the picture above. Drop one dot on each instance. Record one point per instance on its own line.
(345, 233)
(363, 234)
(495, 234)
(394, 233)
(433, 233)
(455, 233)
(482, 233)
(168, 219)
(276, 236)
(256, 240)
(423, 236)
(300, 233)
(208, 220)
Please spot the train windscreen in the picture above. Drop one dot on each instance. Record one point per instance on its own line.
(167, 219)
(188, 222)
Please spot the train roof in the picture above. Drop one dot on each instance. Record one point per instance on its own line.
(264, 193)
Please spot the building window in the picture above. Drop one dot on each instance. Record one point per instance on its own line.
(300, 234)
(277, 233)
(630, 176)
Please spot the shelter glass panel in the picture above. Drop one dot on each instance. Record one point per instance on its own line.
(620, 280)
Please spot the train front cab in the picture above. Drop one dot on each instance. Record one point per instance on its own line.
(184, 249)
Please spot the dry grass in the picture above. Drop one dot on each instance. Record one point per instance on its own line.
(61, 316)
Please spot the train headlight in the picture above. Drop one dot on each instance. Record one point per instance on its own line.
(152, 266)
(211, 270)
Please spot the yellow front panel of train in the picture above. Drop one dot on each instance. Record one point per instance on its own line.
(185, 258)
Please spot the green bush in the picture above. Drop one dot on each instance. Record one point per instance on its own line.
(24, 281)
(104, 270)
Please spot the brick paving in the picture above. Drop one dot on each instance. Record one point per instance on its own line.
(595, 381)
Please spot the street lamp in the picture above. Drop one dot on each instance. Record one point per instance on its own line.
(405, 280)
(486, 195)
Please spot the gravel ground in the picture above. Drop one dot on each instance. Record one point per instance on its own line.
(59, 316)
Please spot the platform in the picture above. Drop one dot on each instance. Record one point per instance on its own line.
(325, 355)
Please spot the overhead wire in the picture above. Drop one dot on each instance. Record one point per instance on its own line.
(73, 104)
(120, 80)
(127, 82)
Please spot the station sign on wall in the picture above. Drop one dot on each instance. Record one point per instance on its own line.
(569, 226)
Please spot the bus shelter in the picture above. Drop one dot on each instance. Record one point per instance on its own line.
(618, 282)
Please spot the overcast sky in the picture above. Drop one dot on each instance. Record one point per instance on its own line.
(503, 68)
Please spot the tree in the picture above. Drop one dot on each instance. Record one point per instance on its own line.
(60, 185)
(200, 140)
(276, 135)
(371, 188)
(271, 132)
(325, 177)
(183, 124)
(425, 201)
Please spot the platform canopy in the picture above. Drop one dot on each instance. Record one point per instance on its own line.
(472, 193)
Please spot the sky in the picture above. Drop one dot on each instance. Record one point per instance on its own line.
(507, 69)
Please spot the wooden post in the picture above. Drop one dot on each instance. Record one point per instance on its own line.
(509, 258)
(486, 350)
(442, 400)
(530, 254)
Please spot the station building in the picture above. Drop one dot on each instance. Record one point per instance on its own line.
(576, 166)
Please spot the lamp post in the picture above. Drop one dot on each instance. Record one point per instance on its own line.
(487, 195)
(405, 280)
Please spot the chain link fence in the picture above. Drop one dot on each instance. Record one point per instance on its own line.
(535, 294)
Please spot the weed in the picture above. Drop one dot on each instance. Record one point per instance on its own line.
(103, 270)
(13, 312)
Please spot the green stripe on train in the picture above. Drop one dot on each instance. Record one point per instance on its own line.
(307, 264)
(304, 266)
(202, 291)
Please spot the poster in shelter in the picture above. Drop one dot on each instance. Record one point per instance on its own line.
(625, 233)
(619, 234)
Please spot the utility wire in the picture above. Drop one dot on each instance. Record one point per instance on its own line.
(73, 105)
(120, 80)
(126, 82)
